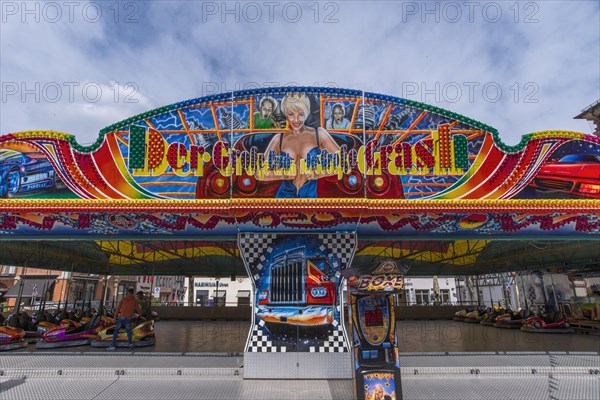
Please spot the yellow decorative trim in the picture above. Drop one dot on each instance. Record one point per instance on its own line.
(557, 134)
(45, 134)
(348, 205)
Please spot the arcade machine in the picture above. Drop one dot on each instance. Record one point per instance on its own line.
(376, 363)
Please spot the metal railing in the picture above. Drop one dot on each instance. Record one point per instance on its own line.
(218, 303)
(437, 303)
(591, 105)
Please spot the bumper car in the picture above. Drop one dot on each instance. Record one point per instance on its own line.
(490, 318)
(460, 316)
(552, 322)
(142, 335)
(72, 335)
(11, 338)
(475, 317)
(512, 320)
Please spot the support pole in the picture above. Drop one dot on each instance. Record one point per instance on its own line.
(115, 288)
(554, 293)
(216, 294)
(69, 283)
(62, 292)
(42, 306)
(525, 293)
(518, 299)
(103, 297)
(503, 281)
(20, 294)
(191, 289)
(90, 298)
(477, 288)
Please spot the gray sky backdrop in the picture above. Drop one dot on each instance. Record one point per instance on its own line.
(77, 67)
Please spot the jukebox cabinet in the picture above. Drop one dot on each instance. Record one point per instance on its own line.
(376, 363)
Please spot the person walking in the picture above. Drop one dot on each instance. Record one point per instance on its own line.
(145, 305)
(126, 307)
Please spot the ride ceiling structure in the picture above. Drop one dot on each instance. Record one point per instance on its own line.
(171, 190)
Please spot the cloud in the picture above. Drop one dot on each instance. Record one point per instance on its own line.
(519, 72)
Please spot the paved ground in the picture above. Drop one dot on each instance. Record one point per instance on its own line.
(204, 360)
(534, 375)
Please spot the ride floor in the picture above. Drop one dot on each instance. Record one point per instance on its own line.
(204, 360)
(413, 336)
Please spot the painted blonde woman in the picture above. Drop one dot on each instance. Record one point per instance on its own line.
(299, 142)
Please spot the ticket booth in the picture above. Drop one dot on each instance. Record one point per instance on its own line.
(376, 364)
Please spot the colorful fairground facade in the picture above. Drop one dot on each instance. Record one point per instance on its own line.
(299, 188)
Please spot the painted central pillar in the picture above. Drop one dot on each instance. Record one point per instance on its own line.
(297, 327)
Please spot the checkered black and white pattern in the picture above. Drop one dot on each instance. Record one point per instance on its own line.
(531, 297)
(253, 246)
(335, 343)
(340, 245)
(260, 343)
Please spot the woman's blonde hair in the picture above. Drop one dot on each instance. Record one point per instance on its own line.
(296, 101)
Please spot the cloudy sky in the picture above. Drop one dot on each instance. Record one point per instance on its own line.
(78, 66)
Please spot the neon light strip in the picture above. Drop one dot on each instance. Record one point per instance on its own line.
(285, 205)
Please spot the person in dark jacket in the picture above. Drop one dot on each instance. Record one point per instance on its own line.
(145, 304)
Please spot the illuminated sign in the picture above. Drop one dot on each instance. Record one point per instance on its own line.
(442, 154)
(157, 154)
(380, 282)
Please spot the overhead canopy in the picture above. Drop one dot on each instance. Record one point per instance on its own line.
(221, 258)
(33, 286)
(475, 257)
(127, 257)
